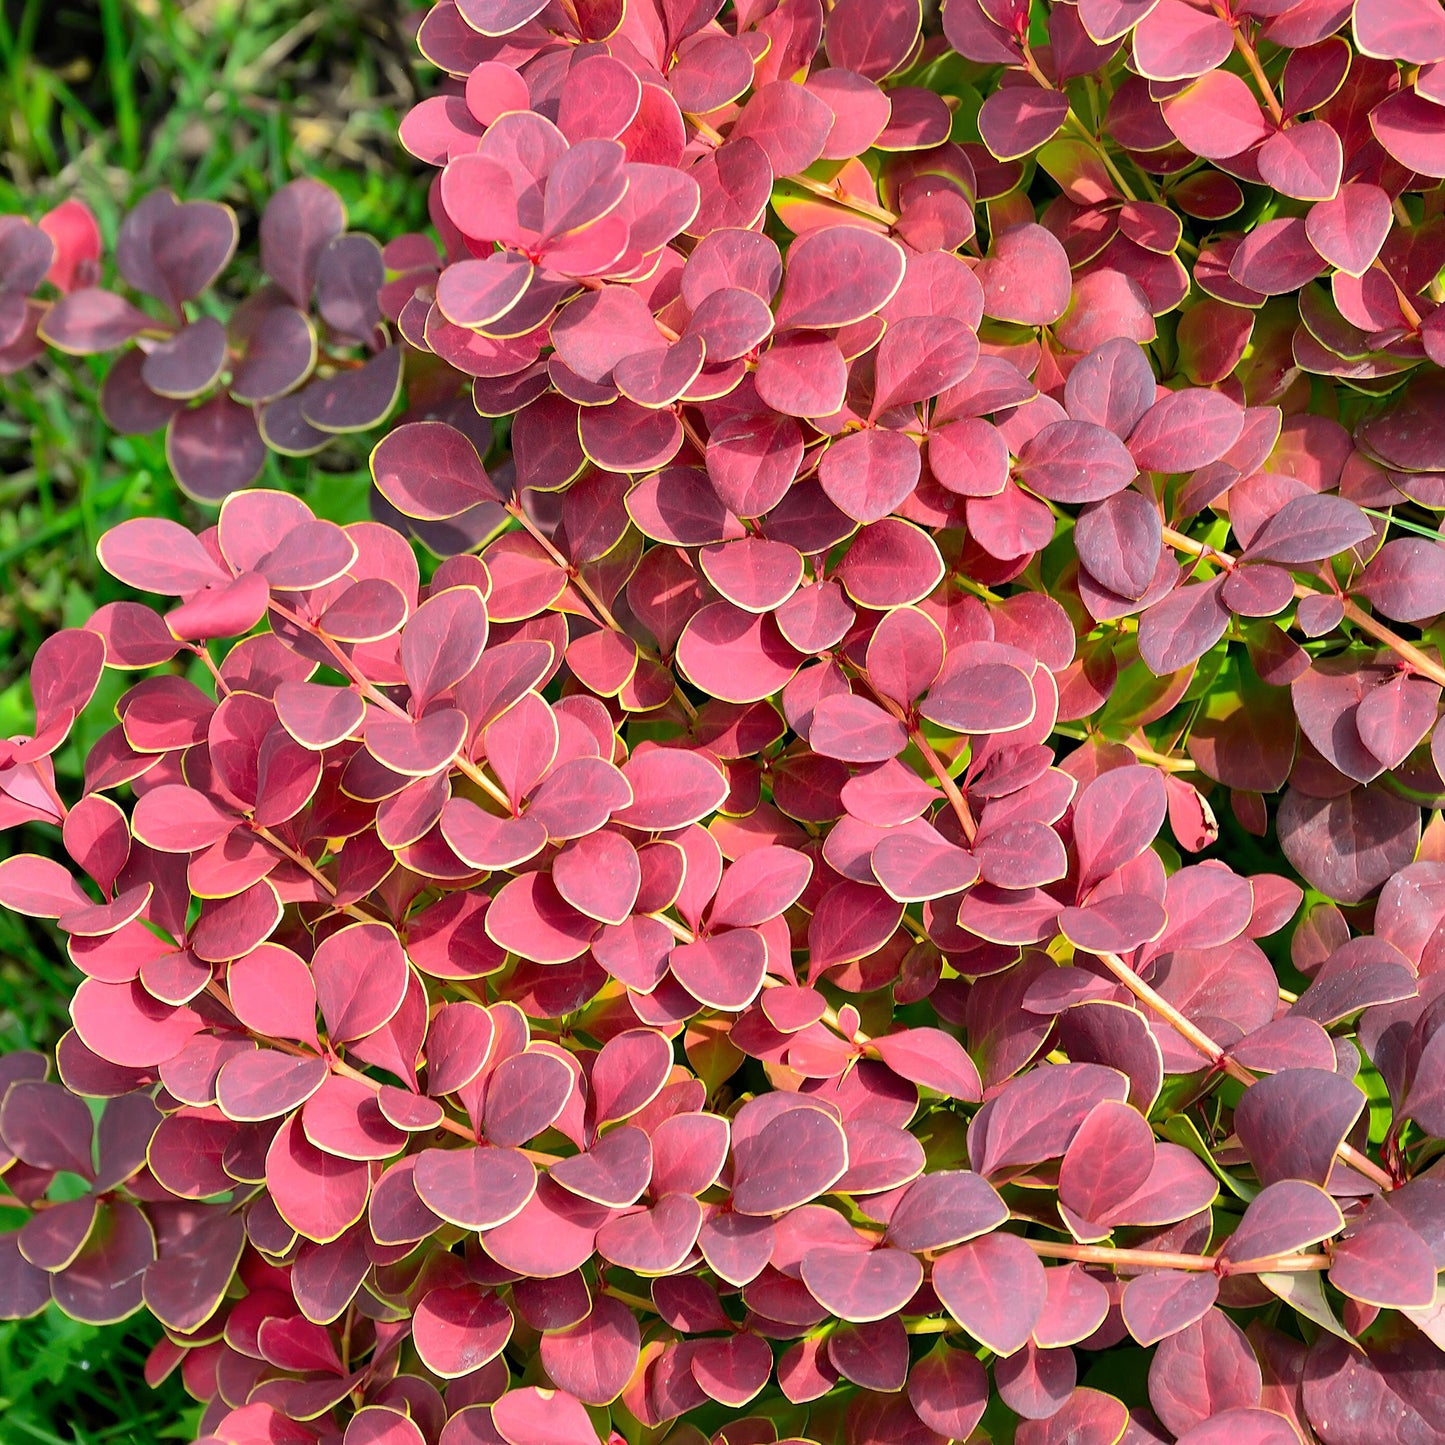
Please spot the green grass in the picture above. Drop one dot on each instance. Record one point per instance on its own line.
(63, 1383)
(107, 99)
(213, 106)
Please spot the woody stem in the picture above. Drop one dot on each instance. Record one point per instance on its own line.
(1407, 652)
(1217, 1056)
(603, 613)
(379, 699)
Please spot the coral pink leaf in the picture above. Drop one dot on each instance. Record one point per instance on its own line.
(945, 1208)
(39, 887)
(1412, 129)
(732, 1370)
(525, 1094)
(1087, 1417)
(156, 555)
(1163, 1301)
(177, 819)
(614, 1171)
(1075, 461)
(920, 357)
(343, 1117)
(319, 1195)
(361, 975)
(790, 1161)
(1217, 116)
(1180, 628)
(1283, 1217)
(654, 1240)
(1203, 1370)
(724, 971)
(932, 1059)
(430, 470)
(752, 573)
(318, 717)
(1320, 1109)
(1304, 161)
(838, 275)
(458, 1329)
(995, 1287)
(850, 921)
(969, 458)
(417, 747)
(475, 1188)
(735, 655)
(127, 1026)
(476, 293)
(751, 460)
(855, 730)
(265, 1083)
(378, 1425)
(64, 673)
(534, 1416)
(272, 992)
(986, 697)
(1175, 41)
(948, 1390)
(862, 1285)
(484, 840)
(1242, 1427)
(1115, 924)
(1276, 257)
(761, 885)
(599, 875)
(595, 1358)
(1409, 30)
(1025, 276)
(73, 229)
(222, 610)
(628, 1073)
(1110, 1157)
(531, 918)
(868, 473)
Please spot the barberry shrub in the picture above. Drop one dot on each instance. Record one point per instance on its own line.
(730, 956)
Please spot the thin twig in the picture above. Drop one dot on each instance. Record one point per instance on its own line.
(602, 612)
(1418, 661)
(377, 698)
(1218, 1058)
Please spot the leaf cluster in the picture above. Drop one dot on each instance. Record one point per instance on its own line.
(709, 961)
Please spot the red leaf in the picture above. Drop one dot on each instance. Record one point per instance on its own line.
(319, 1195)
(458, 1330)
(994, 1287)
(361, 975)
(1202, 1371)
(534, 1416)
(792, 1160)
